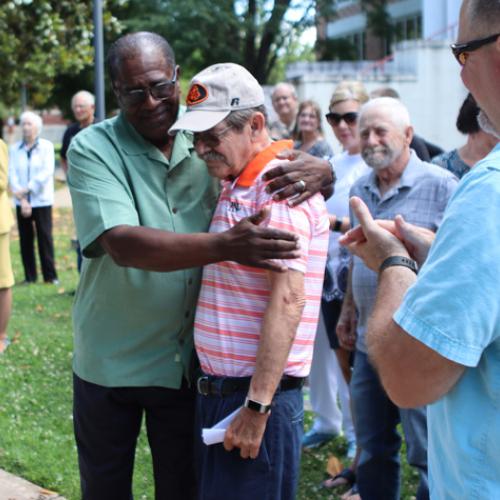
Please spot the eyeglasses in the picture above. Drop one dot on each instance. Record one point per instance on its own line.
(461, 50)
(159, 91)
(312, 116)
(210, 138)
(334, 119)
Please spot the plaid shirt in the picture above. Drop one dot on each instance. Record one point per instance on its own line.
(420, 197)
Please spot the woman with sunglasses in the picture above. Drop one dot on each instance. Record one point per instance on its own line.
(308, 133)
(345, 103)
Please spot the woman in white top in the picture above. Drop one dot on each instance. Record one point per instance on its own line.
(31, 178)
(345, 103)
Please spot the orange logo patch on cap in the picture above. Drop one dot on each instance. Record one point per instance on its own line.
(197, 93)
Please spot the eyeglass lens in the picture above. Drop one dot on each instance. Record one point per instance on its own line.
(336, 118)
(209, 138)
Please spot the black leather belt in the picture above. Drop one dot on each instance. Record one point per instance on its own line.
(208, 385)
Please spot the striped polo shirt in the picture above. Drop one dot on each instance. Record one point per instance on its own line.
(234, 297)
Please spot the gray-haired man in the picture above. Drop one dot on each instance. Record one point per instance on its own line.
(399, 183)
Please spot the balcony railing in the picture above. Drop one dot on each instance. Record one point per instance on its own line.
(342, 69)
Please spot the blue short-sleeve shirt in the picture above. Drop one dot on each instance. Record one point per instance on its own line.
(454, 308)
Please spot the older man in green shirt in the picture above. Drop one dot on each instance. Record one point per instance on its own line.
(142, 203)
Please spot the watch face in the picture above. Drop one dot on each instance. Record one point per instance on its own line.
(256, 406)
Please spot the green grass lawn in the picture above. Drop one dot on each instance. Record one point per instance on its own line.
(36, 436)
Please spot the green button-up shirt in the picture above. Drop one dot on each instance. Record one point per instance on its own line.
(134, 327)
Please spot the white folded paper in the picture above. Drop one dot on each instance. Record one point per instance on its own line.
(215, 434)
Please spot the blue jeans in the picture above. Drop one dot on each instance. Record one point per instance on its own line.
(274, 474)
(375, 419)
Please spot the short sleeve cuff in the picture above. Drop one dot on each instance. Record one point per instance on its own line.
(436, 339)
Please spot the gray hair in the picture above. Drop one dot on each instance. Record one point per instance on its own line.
(285, 85)
(130, 46)
(89, 98)
(238, 119)
(398, 112)
(485, 14)
(384, 92)
(35, 118)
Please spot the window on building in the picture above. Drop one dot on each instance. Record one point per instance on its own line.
(408, 28)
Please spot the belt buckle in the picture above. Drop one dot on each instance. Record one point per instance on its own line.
(202, 385)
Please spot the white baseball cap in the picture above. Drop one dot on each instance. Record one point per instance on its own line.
(214, 93)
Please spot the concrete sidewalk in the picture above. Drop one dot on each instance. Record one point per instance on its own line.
(62, 199)
(15, 488)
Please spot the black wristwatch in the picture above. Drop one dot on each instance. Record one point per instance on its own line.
(399, 260)
(256, 406)
(337, 227)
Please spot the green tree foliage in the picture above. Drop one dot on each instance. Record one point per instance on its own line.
(40, 39)
(379, 22)
(254, 33)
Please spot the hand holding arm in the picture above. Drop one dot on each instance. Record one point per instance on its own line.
(163, 251)
(279, 328)
(316, 173)
(21, 194)
(26, 209)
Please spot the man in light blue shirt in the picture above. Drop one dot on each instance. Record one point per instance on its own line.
(436, 339)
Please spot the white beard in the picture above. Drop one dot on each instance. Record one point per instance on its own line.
(486, 124)
(379, 162)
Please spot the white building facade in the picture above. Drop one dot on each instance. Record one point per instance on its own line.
(423, 71)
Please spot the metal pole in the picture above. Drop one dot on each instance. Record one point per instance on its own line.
(100, 105)
(24, 97)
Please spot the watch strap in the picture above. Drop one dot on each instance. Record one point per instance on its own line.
(399, 260)
(337, 227)
(256, 406)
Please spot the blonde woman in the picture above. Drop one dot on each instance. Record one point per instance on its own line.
(345, 103)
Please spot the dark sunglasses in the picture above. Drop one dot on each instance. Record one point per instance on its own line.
(159, 91)
(335, 118)
(210, 138)
(461, 50)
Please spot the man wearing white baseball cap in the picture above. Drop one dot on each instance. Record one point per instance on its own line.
(254, 330)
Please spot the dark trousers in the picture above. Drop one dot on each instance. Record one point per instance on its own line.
(41, 219)
(331, 313)
(107, 423)
(79, 257)
(274, 474)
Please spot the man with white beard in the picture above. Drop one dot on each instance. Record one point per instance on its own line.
(435, 338)
(399, 183)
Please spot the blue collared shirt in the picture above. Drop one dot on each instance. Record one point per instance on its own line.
(420, 196)
(454, 309)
